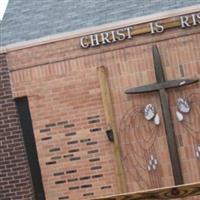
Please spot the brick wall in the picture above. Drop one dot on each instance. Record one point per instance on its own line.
(61, 82)
(75, 156)
(15, 180)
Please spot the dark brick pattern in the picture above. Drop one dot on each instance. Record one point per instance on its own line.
(15, 180)
(85, 151)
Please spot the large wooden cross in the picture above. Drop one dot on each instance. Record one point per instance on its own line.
(161, 86)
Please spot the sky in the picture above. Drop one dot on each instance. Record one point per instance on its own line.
(3, 4)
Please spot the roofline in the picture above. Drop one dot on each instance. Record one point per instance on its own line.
(100, 28)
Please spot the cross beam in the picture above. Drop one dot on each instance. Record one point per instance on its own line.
(161, 87)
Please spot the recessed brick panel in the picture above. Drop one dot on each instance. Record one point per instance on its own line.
(76, 157)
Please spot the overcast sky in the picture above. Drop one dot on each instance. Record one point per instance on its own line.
(3, 4)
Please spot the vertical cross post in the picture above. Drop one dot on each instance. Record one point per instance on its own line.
(171, 138)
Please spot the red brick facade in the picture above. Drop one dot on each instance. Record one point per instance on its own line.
(61, 82)
(15, 179)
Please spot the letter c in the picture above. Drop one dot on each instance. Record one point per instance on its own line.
(84, 44)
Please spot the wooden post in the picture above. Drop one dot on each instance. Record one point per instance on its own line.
(111, 123)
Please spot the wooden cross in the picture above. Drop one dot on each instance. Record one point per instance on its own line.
(161, 86)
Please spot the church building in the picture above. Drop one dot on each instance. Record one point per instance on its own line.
(100, 99)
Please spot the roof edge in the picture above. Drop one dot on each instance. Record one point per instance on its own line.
(100, 28)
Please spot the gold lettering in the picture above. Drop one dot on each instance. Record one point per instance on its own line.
(113, 36)
(184, 21)
(129, 32)
(84, 42)
(120, 35)
(155, 27)
(94, 40)
(105, 38)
